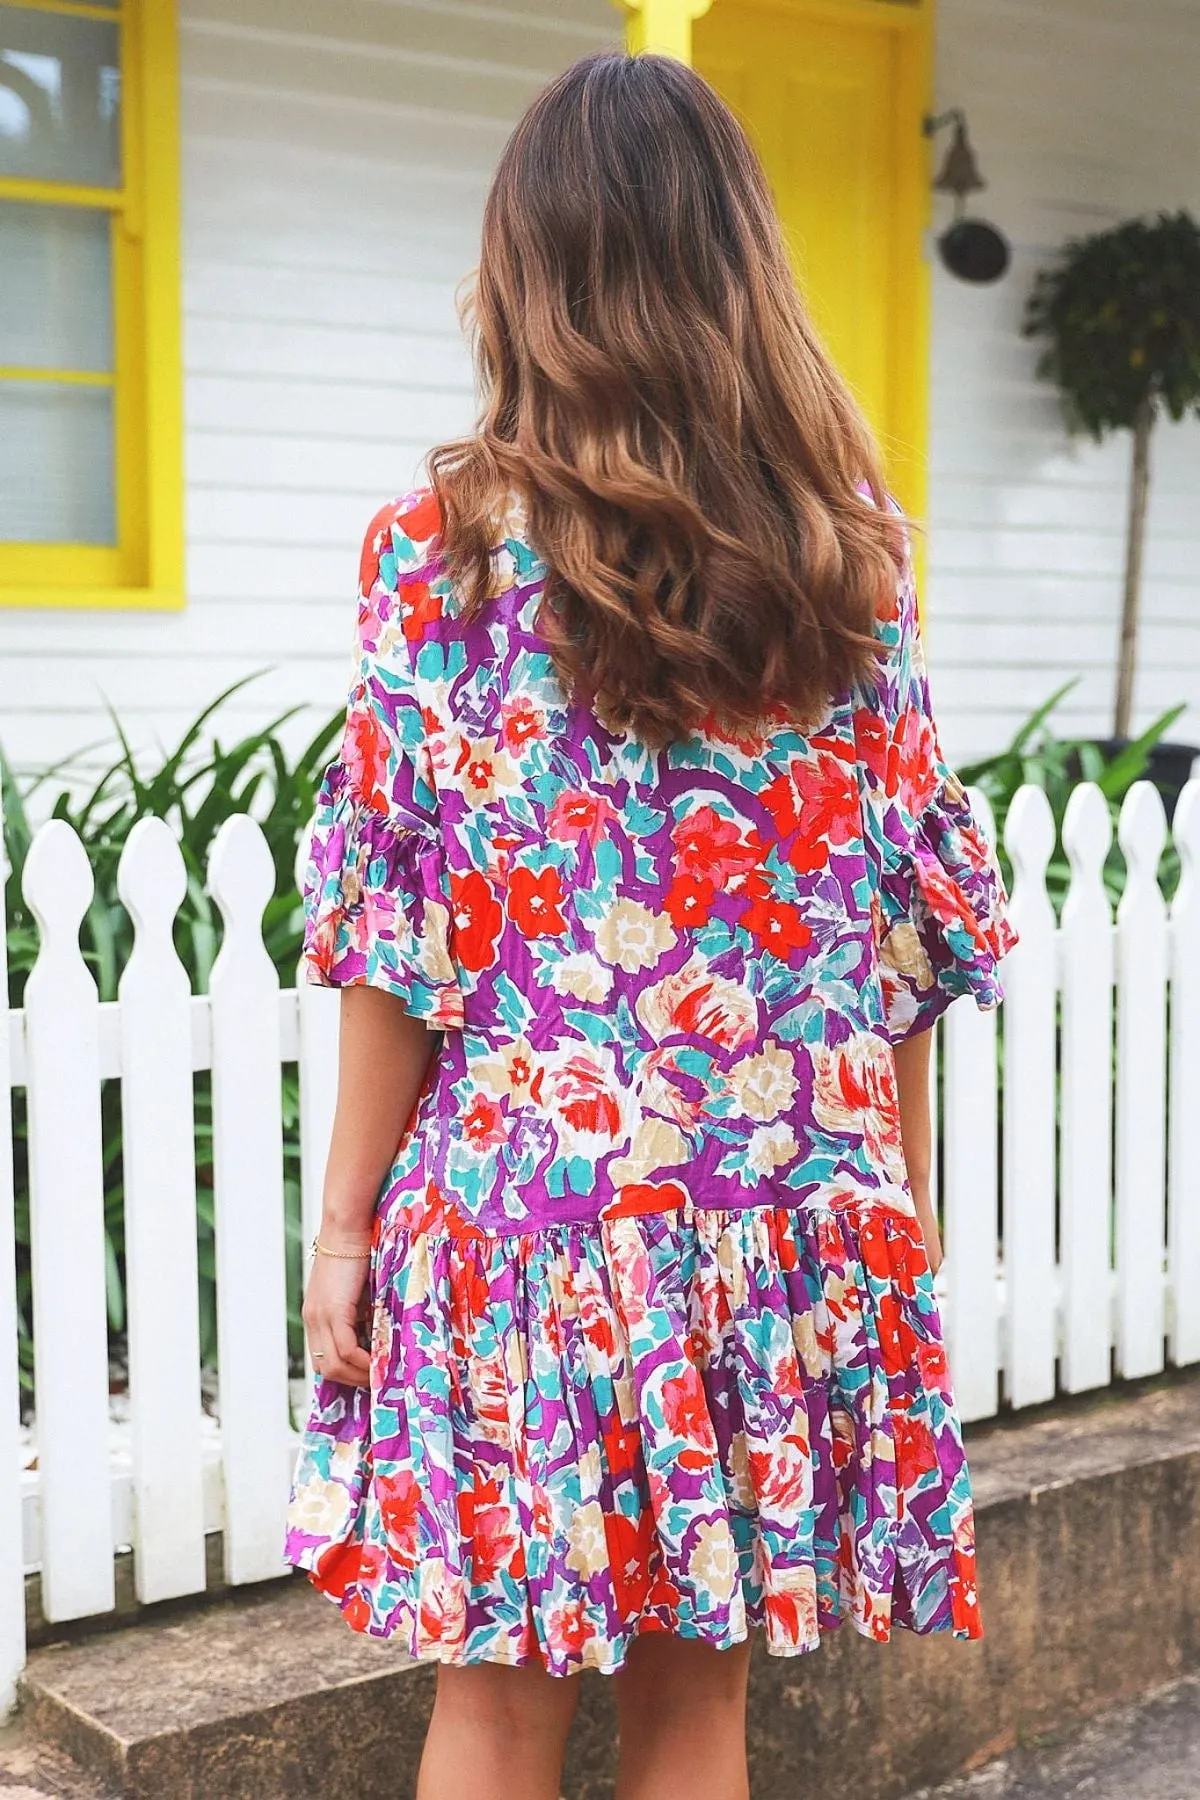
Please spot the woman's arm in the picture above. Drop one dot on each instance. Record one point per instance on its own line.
(916, 1131)
(382, 1058)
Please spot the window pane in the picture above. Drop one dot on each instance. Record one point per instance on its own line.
(56, 464)
(60, 98)
(56, 289)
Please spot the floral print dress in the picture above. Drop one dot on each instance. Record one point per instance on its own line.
(654, 1337)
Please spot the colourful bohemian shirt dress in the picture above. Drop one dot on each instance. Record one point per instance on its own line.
(654, 1343)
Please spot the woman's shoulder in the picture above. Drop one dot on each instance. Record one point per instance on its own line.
(403, 544)
(403, 538)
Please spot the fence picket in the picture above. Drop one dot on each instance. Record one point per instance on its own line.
(971, 1195)
(66, 1207)
(1029, 1092)
(1085, 1153)
(1183, 1203)
(1141, 1087)
(971, 1208)
(248, 1193)
(12, 1574)
(158, 1133)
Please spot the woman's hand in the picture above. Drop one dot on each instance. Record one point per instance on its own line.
(382, 1059)
(334, 1305)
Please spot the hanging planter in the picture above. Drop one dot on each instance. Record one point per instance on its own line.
(1119, 316)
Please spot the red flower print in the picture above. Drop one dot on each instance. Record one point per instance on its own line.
(338, 1568)
(871, 735)
(783, 1611)
(419, 607)
(897, 1339)
(644, 1197)
(568, 1627)
(534, 901)
(478, 920)
(521, 720)
(483, 1124)
(708, 847)
(913, 759)
(399, 1508)
(816, 801)
(490, 1529)
(622, 1446)
(365, 753)
(576, 814)
(777, 926)
(685, 1409)
(422, 519)
(689, 901)
(935, 1370)
(916, 1454)
(629, 1543)
(356, 1612)
(946, 900)
(581, 1093)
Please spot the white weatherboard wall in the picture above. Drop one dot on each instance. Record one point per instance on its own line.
(1083, 114)
(335, 158)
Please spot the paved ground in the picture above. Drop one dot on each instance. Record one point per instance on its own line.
(1145, 1752)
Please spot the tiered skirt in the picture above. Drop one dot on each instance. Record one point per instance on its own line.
(691, 1421)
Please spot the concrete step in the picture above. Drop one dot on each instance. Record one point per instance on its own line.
(1088, 1521)
(265, 1696)
(1146, 1752)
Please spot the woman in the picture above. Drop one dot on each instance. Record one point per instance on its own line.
(646, 881)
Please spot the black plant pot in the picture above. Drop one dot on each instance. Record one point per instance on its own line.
(1168, 766)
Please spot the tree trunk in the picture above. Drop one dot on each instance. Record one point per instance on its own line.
(1139, 487)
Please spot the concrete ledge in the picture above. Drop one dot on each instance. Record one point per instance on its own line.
(1089, 1544)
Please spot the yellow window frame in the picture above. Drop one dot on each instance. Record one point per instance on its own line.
(144, 568)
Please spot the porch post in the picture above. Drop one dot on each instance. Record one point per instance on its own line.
(664, 26)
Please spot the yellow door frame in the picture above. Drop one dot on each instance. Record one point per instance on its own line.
(666, 26)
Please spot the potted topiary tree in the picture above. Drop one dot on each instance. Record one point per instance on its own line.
(1119, 315)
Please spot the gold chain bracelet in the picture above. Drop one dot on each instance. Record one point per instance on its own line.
(319, 1249)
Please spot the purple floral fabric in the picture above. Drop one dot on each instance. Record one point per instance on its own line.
(654, 1344)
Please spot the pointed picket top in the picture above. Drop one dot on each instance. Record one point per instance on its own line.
(1087, 833)
(67, 1245)
(57, 881)
(152, 876)
(1029, 1101)
(1142, 834)
(1085, 1094)
(241, 873)
(1183, 1206)
(1142, 969)
(1029, 835)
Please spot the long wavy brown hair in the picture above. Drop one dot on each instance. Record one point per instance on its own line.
(696, 476)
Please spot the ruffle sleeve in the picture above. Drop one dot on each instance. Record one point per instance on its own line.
(376, 892)
(939, 903)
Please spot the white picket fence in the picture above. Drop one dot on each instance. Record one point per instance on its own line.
(1096, 1271)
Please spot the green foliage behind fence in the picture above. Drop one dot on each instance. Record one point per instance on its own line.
(198, 785)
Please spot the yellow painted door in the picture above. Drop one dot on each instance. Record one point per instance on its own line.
(832, 96)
